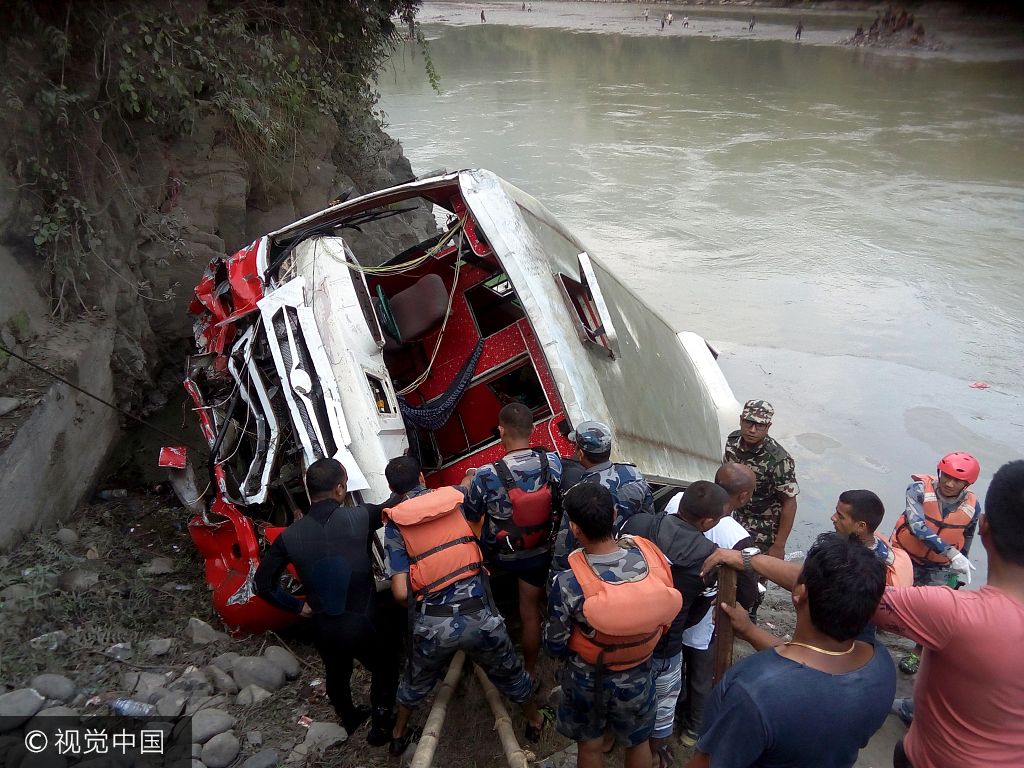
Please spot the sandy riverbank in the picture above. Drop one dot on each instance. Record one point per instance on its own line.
(950, 34)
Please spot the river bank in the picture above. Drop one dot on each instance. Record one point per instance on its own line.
(952, 32)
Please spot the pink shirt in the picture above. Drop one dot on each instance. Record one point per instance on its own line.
(969, 694)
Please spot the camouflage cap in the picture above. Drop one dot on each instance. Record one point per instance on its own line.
(758, 411)
(592, 437)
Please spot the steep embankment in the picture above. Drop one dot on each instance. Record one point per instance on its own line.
(139, 142)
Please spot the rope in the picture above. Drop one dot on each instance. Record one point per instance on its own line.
(133, 417)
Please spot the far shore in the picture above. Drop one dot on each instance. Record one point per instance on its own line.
(950, 32)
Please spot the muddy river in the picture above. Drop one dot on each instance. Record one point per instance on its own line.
(845, 225)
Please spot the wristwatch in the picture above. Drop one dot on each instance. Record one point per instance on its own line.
(749, 553)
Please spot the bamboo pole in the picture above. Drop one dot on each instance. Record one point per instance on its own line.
(502, 722)
(424, 755)
(723, 624)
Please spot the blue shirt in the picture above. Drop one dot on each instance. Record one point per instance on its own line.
(772, 712)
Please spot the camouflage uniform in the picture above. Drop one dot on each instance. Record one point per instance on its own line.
(481, 633)
(775, 473)
(487, 497)
(628, 486)
(628, 696)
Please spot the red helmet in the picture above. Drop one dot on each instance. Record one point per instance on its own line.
(960, 465)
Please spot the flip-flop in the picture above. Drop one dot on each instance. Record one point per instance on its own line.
(666, 758)
(910, 663)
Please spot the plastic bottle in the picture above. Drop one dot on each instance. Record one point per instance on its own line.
(133, 708)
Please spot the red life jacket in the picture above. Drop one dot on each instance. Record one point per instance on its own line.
(628, 617)
(950, 528)
(530, 525)
(441, 546)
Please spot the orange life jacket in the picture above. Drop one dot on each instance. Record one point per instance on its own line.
(899, 573)
(950, 528)
(441, 546)
(628, 617)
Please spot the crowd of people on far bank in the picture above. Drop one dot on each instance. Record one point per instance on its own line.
(623, 595)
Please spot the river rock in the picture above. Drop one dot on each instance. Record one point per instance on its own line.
(49, 641)
(191, 680)
(226, 661)
(172, 704)
(207, 723)
(44, 760)
(197, 751)
(78, 580)
(120, 651)
(16, 592)
(267, 758)
(197, 763)
(201, 633)
(198, 701)
(285, 659)
(66, 537)
(257, 670)
(58, 711)
(159, 646)
(251, 694)
(54, 687)
(222, 681)
(158, 566)
(323, 735)
(254, 739)
(8, 404)
(18, 706)
(219, 751)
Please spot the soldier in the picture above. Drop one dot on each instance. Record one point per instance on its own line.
(515, 497)
(591, 463)
(607, 613)
(770, 513)
(436, 569)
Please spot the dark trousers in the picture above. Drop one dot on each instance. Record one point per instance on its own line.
(698, 669)
(350, 636)
(899, 757)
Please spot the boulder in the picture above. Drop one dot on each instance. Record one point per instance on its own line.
(226, 661)
(201, 633)
(66, 537)
(159, 646)
(55, 687)
(251, 694)
(221, 750)
(171, 705)
(320, 736)
(285, 659)
(222, 681)
(266, 758)
(207, 723)
(18, 706)
(257, 670)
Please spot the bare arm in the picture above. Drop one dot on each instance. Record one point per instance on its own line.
(400, 588)
(786, 518)
(747, 630)
(772, 568)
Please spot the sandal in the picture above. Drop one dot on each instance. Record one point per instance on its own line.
(534, 732)
(666, 758)
(910, 663)
(399, 744)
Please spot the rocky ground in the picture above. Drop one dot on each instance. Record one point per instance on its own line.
(113, 605)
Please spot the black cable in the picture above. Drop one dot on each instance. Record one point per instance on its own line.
(177, 438)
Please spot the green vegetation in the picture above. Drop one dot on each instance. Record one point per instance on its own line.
(85, 77)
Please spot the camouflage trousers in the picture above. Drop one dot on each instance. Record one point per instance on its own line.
(627, 698)
(482, 635)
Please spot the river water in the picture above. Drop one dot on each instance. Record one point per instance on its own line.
(846, 226)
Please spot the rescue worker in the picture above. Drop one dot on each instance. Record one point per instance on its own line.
(607, 634)
(680, 537)
(859, 513)
(592, 464)
(329, 547)
(937, 527)
(515, 497)
(771, 511)
(437, 571)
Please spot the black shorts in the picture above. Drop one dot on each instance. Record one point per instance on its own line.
(532, 570)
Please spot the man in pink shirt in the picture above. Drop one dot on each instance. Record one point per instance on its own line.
(969, 696)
